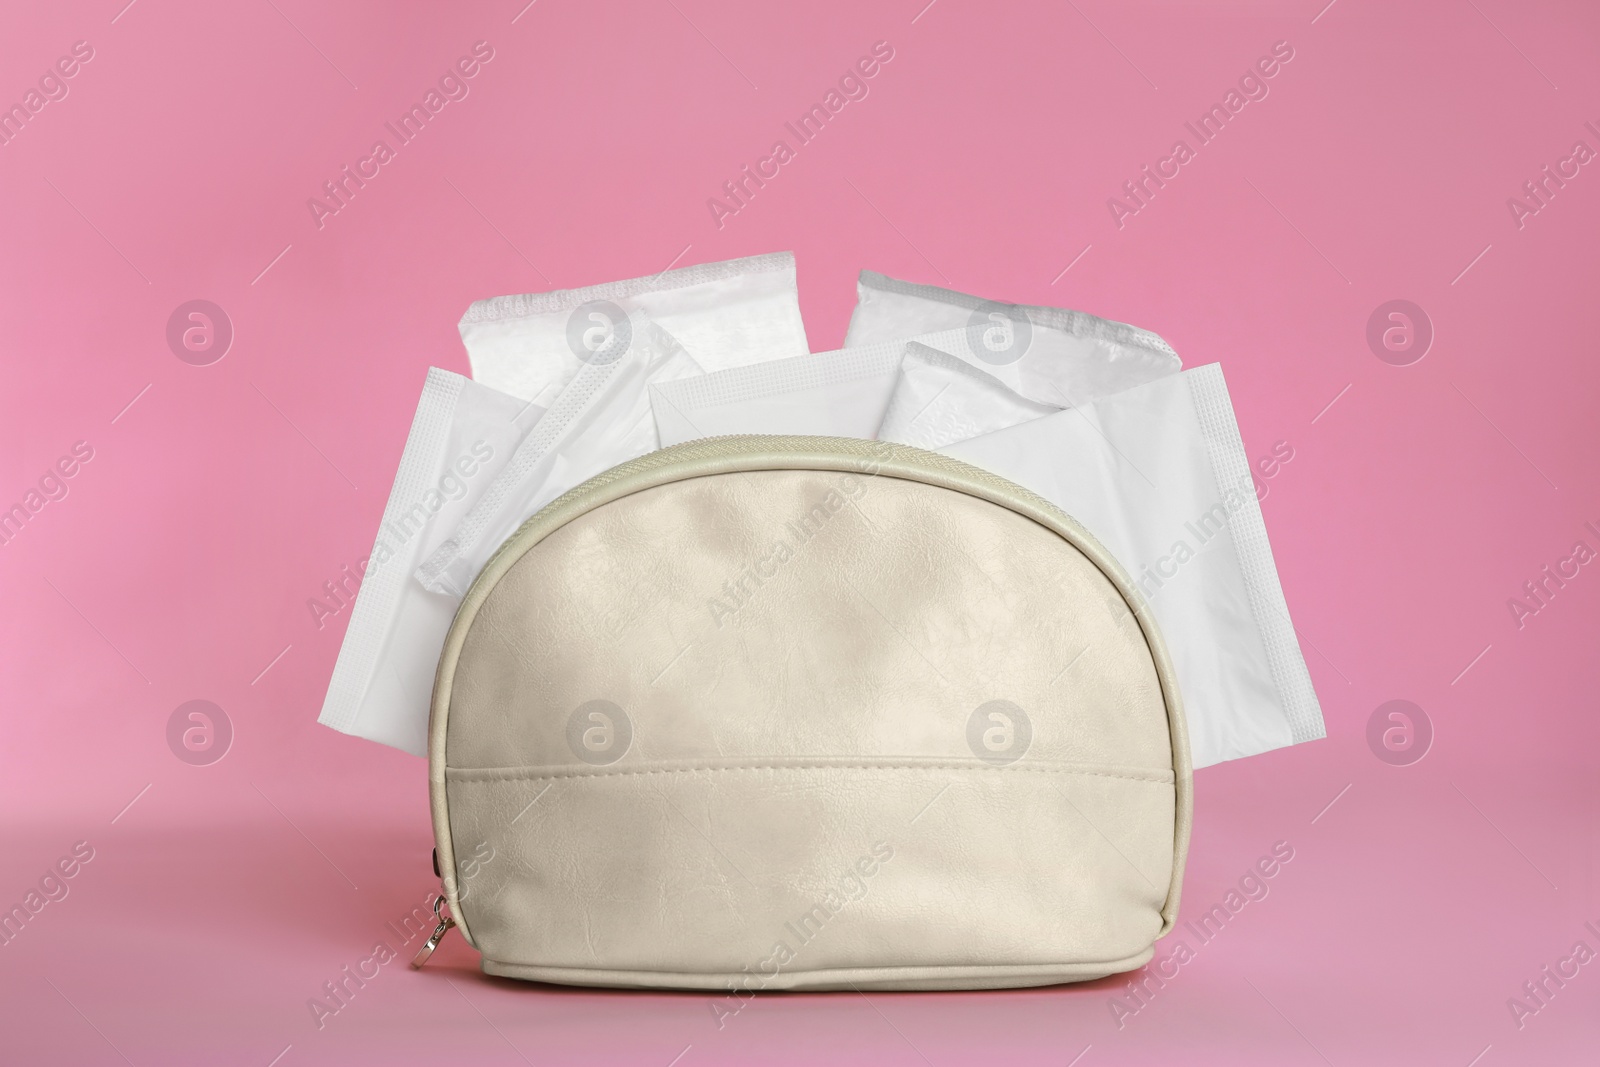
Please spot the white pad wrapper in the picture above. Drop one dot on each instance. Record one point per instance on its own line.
(462, 435)
(1158, 474)
(846, 392)
(887, 308)
(602, 418)
(726, 314)
(839, 394)
(939, 399)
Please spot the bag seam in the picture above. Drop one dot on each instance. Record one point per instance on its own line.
(931, 970)
(491, 775)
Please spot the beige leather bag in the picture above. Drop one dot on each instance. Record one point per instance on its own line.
(807, 713)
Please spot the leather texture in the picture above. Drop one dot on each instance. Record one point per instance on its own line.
(806, 713)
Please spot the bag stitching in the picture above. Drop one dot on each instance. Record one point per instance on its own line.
(491, 775)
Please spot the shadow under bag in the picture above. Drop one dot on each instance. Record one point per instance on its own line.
(807, 713)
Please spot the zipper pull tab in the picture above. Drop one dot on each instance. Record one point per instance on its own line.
(445, 923)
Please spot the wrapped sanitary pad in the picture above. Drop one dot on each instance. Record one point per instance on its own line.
(939, 399)
(602, 418)
(1157, 472)
(846, 392)
(586, 355)
(887, 308)
(463, 433)
(1093, 415)
(469, 448)
(726, 314)
(1159, 475)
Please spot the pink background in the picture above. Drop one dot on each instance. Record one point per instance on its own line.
(180, 563)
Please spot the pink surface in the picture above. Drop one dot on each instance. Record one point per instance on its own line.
(219, 498)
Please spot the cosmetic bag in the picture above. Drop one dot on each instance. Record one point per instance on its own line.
(770, 712)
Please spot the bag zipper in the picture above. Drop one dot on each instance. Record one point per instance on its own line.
(445, 923)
